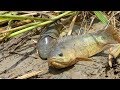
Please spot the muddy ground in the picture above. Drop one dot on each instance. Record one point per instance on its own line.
(19, 56)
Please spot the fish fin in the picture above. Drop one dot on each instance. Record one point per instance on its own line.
(83, 59)
(114, 32)
(106, 47)
(115, 51)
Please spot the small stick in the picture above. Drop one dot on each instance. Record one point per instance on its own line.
(28, 75)
(109, 12)
(72, 24)
(114, 20)
(113, 15)
(110, 57)
(91, 22)
(84, 15)
(29, 14)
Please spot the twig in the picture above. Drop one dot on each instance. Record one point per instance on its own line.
(109, 12)
(114, 20)
(113, 15)
(29, 14)
(28, 75)
(84, 16)
(72, 24)
(91, 22)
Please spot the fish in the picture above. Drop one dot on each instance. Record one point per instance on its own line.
(47, 41)
(49, 38)
(71, 49)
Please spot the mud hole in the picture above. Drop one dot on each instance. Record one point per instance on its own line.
(19, 56)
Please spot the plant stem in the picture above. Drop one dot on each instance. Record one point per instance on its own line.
(29, 28)
(20, 27)
(61, 15)
(101, 17)
(39, 25)
(17, 17)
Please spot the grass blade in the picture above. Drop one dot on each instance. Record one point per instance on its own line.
(17, 17)
(101, 17)
(39, 25)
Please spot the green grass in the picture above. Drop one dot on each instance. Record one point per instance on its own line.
(101, 16)
(39, 24)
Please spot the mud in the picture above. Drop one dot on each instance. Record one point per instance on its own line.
(19, 56)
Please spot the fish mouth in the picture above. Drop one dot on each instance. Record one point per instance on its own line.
(59, 63)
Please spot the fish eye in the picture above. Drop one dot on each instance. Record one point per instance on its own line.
(61, 54)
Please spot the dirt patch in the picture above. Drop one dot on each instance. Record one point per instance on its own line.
(19, 56)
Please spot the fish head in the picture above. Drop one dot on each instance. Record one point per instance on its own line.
(61, 57)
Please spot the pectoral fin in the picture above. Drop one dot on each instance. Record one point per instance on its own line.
(83, 59)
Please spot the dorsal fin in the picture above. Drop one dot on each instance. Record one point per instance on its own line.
(67, 38)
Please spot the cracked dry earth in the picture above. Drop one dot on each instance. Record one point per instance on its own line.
(19, 56)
